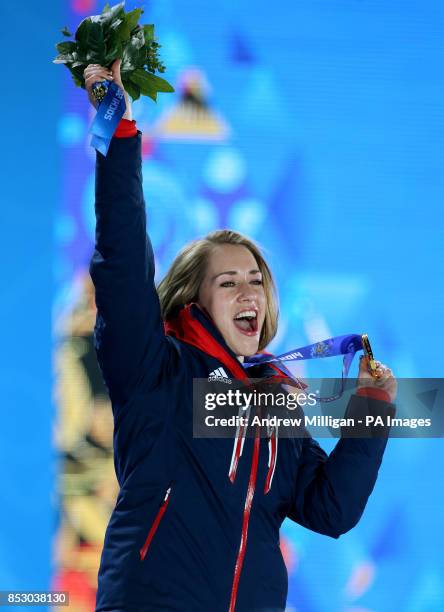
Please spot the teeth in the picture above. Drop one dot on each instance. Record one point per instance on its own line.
(245, 314)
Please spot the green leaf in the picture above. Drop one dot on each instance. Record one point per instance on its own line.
(132, 89)
(62, 59)
(129, 23)
(159, 83)
(77, 81)
(111, 14)
(130, 58)
(138, 39)
(134, 54)
(65, 31)
(113, 47)
(82, 32)
(114, 26)
(113, 53)
(140, 78)
(77, 69)
(79, 56)
(106, 8)
(77, 75)
(148, 30)
(66, 47)
(96, 44)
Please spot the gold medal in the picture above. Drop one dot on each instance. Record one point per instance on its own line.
(369, 353)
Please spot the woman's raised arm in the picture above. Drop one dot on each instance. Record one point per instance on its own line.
(129, 334)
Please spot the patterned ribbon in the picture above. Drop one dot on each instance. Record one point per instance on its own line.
(109, 113)
(346, 345)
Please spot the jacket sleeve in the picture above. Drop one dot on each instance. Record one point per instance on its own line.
(129, 336)
(331, 491)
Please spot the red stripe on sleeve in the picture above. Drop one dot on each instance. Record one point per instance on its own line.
(378, 394)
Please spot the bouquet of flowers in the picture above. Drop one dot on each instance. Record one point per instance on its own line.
(114, 34)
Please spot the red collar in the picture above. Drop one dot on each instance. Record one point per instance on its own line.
(188, 328)
(193, 326)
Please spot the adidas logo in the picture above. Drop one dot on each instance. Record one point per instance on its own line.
(219, 375)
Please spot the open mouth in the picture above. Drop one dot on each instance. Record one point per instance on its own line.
(246, 322)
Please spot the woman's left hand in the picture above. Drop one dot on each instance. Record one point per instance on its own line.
(382, 379)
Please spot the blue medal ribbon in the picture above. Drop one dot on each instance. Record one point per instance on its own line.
(346, 345)
(109, 113)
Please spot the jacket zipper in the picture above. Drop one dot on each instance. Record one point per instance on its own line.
(245, 520)
(155, 525)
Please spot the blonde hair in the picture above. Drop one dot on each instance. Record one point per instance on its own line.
(181, 284)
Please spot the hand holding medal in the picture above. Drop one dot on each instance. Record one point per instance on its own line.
(373, 373)
(97, 78)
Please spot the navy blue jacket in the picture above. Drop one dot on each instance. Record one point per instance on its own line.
(183, 536)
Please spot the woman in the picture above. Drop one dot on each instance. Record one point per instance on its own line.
(196, 523)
